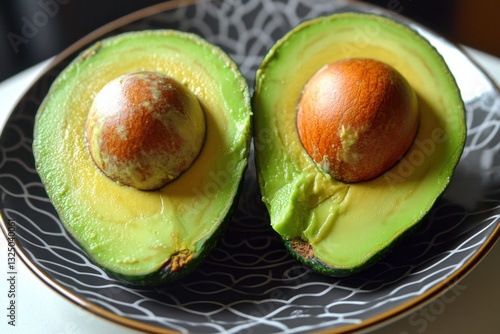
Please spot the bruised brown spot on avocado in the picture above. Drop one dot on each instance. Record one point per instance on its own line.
(180, 259)
(357, 118)
(303, 248)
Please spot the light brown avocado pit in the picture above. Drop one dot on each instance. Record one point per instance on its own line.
(357, 118)
(144, 129)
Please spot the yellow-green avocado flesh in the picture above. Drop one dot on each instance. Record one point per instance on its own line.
(339, 228)
(145, 237)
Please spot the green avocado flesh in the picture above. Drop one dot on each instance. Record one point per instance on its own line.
(341, 228)
(145, 237)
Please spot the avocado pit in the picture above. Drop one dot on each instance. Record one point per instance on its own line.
(357, 118)
(144, 129)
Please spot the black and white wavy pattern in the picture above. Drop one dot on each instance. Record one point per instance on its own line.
(250, 284)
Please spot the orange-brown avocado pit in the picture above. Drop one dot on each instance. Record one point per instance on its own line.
(144, 129)
(357, 118)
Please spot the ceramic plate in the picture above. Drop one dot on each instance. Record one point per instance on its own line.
(250, 284)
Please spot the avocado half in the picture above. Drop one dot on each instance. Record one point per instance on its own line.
(145, 237)
(341, 228)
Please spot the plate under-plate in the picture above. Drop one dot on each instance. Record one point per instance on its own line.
(250, 283)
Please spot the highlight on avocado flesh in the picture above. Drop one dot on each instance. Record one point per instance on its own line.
(356, 118)
(144, 129)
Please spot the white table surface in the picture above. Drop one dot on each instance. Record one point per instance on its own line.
(39, 309)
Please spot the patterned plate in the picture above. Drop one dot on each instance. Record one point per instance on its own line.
(250, 284)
